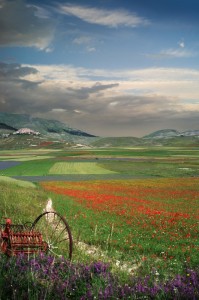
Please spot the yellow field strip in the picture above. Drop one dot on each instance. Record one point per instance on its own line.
(78, 168)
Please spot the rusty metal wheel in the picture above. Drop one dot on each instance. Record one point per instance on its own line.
(55, 232)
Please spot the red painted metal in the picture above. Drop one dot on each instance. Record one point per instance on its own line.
(28, 239)
(17, 239)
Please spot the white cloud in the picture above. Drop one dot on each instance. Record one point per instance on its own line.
(91, 49)
(177, 53)
(173, 53)
(77, 111)
(113, 103)
(58, 110)
(85, 41)
(82, 40)
(110, 18)
(40, 12)
(49, 50)
(170, 82)
(181, 44)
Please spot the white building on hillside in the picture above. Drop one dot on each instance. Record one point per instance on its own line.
(26, 131)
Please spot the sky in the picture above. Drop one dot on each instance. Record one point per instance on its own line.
(107, 67)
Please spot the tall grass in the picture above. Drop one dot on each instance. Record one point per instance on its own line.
(20, 201)
(139, 225)
(46, 277)
(12, 181)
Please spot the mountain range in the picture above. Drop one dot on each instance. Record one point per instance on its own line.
(169, 133)
(52, 133)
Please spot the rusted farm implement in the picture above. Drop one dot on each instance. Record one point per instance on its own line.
(49, 233)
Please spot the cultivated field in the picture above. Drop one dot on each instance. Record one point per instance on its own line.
(135, 162)
(78, 168)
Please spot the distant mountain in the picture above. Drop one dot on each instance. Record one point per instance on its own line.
(6, 128)
(190, 133)
(49, 130)
(165, 133)
(16, 132)
(170, 133)
(47, 127)
(165, 137)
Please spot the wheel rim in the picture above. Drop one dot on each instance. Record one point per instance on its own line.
(55, 232)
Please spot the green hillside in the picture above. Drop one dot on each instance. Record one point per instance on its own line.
(52, 130)
(56, 135)
(118, 142)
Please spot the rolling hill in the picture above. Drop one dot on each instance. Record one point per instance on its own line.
(171, 133)
(45, 127)
(54, 134)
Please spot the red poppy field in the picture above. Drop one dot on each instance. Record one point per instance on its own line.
(153, 222)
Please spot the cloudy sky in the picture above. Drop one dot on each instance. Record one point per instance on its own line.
(108, 67)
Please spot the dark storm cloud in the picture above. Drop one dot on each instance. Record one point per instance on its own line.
(111, 116)
(136, 116)
(12, 71)
(139, 107)
(100, 108)
(23, 25)
(84, 92)
(15, 73)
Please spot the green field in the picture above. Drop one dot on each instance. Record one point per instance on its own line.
(24, 158)
(141, 227)
(9, 180)
(29, 168)
(78, 168)
(155, 162)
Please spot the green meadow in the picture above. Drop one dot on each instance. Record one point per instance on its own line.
(155, 162)
(132, 236)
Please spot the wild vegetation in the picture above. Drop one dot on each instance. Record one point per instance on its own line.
(145, 224)
(133, 238)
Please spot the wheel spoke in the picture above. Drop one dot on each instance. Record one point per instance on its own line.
(60, 241)
(55, 228)
(55, 232)
(57, 237)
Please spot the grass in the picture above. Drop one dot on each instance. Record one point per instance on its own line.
(155, 162)
(23, 158)
(144, 224)
(46, 277)
(17, 182)
(145, 227)
(78, 168)
(167, 168)
(97, 219)
(28, 152)
(147, 152)
(20, 201)
(29, 168)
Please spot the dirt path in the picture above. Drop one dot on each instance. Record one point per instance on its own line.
(96, 252)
